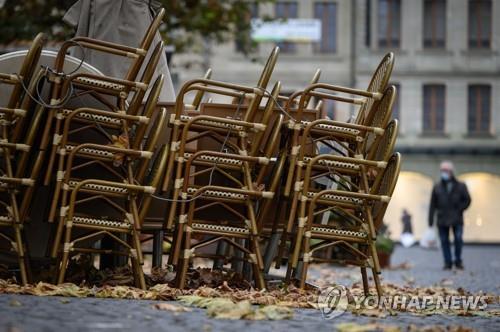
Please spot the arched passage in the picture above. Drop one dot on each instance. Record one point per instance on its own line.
(481, 219)
(412, 192)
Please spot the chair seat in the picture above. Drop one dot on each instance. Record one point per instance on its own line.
(99, 83)
(96, 222)
(341, 232)
(218, 194)
(90, 151)
(334, 163)
(214, 159)
(324, 126)
(336, 198)
(6, 220)
(219, 228)
(93, 117)
(211, 123)
(99, 187)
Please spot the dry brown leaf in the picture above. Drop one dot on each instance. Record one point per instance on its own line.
(171, 307)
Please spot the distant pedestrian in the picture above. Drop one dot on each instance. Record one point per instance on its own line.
(450, 198)
(406, 220)
(407, 238)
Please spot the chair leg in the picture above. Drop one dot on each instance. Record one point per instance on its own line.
(257, 272)
(57, 238)
(366, 288)
(182, 270)
(157, 248)
(62, 268)
(290, 270)
(378, 286)
(136, 259)
(65, 257)
(284, 237)
(375, 268)
(305, 265)
(271, 249)
(297, 246)
(170, 259)
(186, 252)
(139, 274)
(20, 254)
(177, 243)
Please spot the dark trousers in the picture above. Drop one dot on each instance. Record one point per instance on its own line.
(444, 235)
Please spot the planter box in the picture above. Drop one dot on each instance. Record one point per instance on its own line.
(384, 259)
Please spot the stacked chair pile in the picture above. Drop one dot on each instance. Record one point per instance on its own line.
(261, 179)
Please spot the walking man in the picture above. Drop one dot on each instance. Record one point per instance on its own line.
(449, 200)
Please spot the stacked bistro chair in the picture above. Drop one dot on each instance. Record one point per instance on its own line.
(111, 92)
(224, 150)
(354, 140)
(221, 188)
(358, 216)
(347, 134)
(102, 180)
(18, 126)
(358, 160)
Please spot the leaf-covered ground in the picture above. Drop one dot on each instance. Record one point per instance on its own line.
(227, 297)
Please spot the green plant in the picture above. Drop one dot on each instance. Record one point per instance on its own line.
(384, 244)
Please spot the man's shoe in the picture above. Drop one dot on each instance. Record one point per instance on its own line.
(447, 267)
(459, 266)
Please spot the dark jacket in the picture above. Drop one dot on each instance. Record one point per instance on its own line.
(407, 227)
(449, 206)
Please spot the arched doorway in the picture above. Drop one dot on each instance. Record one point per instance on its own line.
(481, 218)
(413, 192)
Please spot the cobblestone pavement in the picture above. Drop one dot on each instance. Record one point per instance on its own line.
(30, 313)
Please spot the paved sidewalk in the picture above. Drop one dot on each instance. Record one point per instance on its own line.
(30, 313)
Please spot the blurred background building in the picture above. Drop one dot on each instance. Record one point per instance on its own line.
(447, 73)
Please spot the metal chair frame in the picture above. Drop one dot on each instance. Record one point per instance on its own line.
(132, 109)
(366, 210)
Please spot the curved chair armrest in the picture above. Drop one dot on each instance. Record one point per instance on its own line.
(97, 45)
(205, 85)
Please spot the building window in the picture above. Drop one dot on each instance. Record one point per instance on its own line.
(284, 10)
(479, 23)
(389, 23)
(479, 114)
(244, 40)
(434, 23)
(396, 112)
(327, 13)
(434, 108)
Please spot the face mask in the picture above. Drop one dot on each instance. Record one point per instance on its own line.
(445, 176)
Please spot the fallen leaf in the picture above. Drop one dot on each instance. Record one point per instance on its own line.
(171, 307)
(355, 327)
(15, 303)
(273, 312)
(226, 309)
